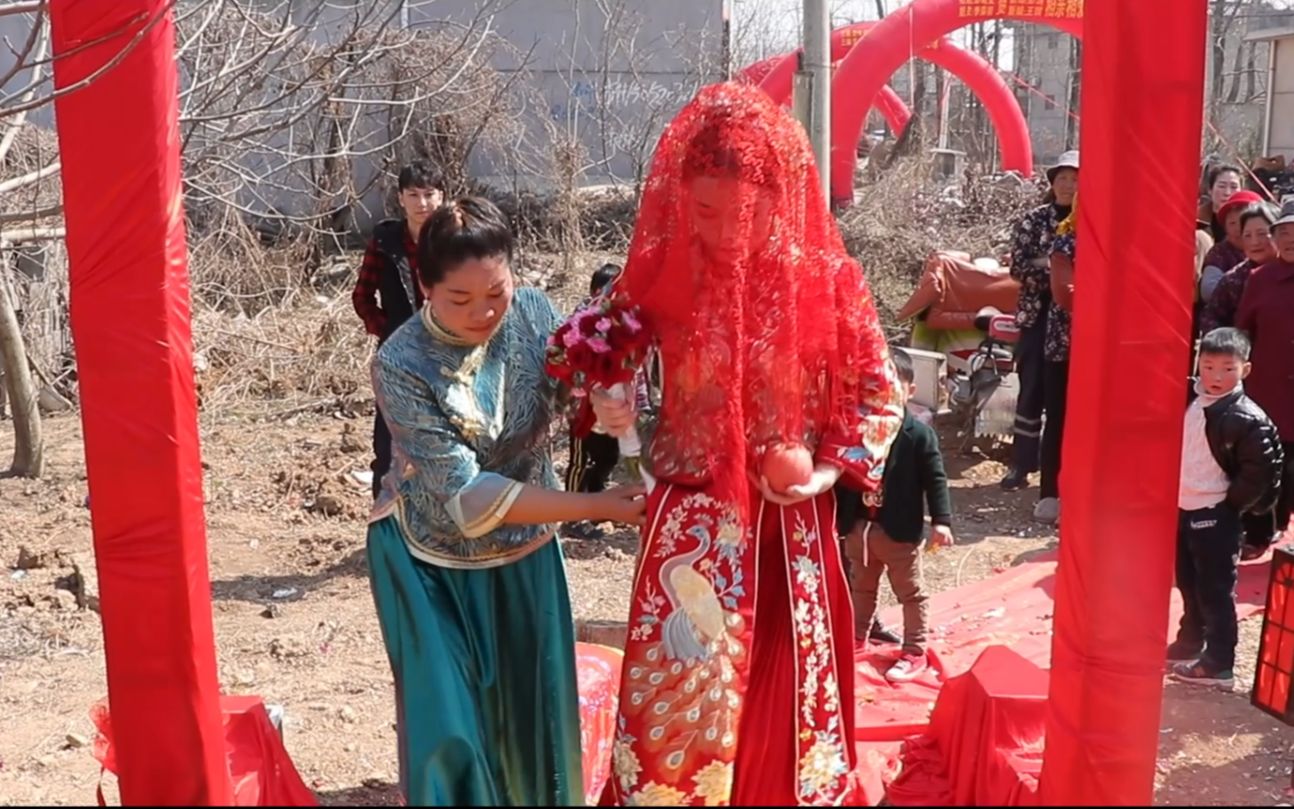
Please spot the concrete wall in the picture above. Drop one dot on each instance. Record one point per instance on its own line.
(1282, 109)
(607, 74)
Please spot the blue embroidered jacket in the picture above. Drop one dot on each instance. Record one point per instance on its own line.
(469, 424)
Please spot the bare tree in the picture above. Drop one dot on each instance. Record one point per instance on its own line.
(291, 115)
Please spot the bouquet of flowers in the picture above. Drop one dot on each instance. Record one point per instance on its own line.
(601, 347)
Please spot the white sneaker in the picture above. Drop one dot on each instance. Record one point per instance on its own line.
(1047, 511)
(906, 669)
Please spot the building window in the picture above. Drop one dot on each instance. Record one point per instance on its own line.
(1050, 104)
(1053, 41)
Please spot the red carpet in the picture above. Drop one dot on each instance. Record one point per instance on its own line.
(1012, 609)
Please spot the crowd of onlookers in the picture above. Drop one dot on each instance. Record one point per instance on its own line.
(1235, 488)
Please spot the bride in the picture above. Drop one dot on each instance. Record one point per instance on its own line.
(738, 679)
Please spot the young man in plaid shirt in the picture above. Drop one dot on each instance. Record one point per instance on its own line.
(387, 291)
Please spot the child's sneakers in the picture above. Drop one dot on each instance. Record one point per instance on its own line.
(907, 668)
(1198, 673)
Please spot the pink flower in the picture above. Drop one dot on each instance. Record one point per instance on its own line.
(631, 322)
(571, 338)
(604, 325)
(599, 345)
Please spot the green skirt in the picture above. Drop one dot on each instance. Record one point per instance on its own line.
(487, 697)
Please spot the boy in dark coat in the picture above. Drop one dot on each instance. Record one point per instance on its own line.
(890, 539)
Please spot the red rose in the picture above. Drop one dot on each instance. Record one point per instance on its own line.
(578, 356)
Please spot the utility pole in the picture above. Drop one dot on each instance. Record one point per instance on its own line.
(813, 86)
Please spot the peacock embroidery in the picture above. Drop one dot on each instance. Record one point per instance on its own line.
(685, 692)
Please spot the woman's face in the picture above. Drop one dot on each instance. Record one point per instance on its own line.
(1224, 185)
(1232, 224)
(1065, 186)
(1256, 238)
(714, 208)
(472, 298)
(1285, 242)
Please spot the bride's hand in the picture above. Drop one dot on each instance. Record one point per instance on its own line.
(823, 478)
(615, 416)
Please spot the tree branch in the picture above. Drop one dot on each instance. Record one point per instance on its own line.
(25, 180)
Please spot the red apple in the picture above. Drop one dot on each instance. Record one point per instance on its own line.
(787, 465)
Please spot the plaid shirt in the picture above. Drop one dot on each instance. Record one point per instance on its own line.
(1030, 252)
(365, 296)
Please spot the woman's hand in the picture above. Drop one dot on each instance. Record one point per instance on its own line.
(622, 504)
(823, 478)
(615, 416)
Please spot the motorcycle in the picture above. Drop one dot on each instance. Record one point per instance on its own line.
(963, 310)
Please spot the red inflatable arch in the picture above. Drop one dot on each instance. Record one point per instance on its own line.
(974, 71)
(891, 42)
(888, 102)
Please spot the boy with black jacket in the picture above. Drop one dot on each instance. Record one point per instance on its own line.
(890, 539)
(387, 291)
(1231, 465)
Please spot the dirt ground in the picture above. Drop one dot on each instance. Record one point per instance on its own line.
(295, 623)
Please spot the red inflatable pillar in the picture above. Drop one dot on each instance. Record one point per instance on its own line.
(1141, 113)
(119, 145)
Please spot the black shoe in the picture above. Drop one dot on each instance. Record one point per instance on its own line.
(880, 634)
(1179, 652)
(1015, 480)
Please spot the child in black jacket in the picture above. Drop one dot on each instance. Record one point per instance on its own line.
(890, 539)
(1231, 465)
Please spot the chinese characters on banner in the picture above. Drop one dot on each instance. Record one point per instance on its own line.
(1018, 9)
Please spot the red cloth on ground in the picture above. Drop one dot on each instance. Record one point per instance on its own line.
(260, 770)
(1013, 609)
(984, 746)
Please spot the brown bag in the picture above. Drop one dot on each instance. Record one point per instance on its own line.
(953, 290)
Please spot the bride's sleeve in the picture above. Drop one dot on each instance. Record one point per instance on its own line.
(860, 446)
(439, 459)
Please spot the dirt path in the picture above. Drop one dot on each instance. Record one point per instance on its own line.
(295, 623)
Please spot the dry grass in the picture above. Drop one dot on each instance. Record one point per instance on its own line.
(307, 356)
(902, 217)
(273, 341)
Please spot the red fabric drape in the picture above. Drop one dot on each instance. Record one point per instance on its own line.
(119, 145)
(1142, 109)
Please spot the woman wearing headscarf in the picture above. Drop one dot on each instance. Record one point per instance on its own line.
(1031, 266)
(1056, 364)
(738, 683)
